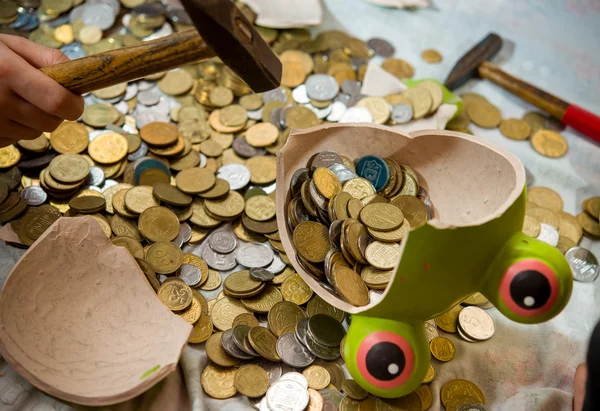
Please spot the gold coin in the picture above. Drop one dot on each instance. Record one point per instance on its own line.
(294, 289)
(245, 319)
(159, 134)
(592, 206)
(176, 149)
(317, 377)
(317, 305)
(531, 226)
(484, 114)
(175, 83)
(352, 288)
(213, 282)
(424, 393)
(569, 227)
(381, 216)
(139, 199)
(108, 148)
(448, 321)
(9, 156)
(431, 56)
(260, 208)
(311, 239)
(391, 236)
(475, 299)
(252, 381)
(193, 312)
(262, 135)
(216, 353)
(133, 246)
(87, 204)
(68, 168)
(263, 302)
(535, 120)
(544, 215)
(224, 312)
(301, 117)
(252, 102)
(549, 143)
(158, 223)
(353, 390)
(100, 115)
(241, 282)
(413, 210)
(410, 402)
(589, 225)
(263, 169)
(283, 317)
(375, 278)
(354, 207)
(359, 188)
(164, 257)
(292, 74)
(297, 57)
(383, 256)
(421, 101)
(233, 116)
(218, 382)
(515, 129)
(442, 349)
(126, 227)
(436, 93)
(221, 96)
(202, 330)
(264, 342)
(199, 264)
(545, 197)
(280, 278)
(200, 217)
(111, 92)
(460, 388)
(326, 182)
(90, 35)
(64, 34)
(176, 294)
(37, 145)
(229, 206)
(195, 180)
(398, 68)
(118, 204)
(378, 107)
(430, 375)
(69, 138)
(565, 244)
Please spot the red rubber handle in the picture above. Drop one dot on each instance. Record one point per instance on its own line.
(583, 121)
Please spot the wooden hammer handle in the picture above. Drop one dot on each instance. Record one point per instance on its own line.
(539, 98)
(129, 63)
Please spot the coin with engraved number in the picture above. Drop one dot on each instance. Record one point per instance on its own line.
(476, 323)
(237, 175)
(584, 264)
(190, 274)
(293, 352)
(222, 242)
(261, 274)
(287, 395)
(254, 255)
(218, 261)
(322, 87)
(34, 195)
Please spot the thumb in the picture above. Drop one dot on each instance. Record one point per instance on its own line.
(35, 54)
(579, 387)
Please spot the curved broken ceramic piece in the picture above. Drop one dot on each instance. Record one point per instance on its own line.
(79, 321)
(282, 14)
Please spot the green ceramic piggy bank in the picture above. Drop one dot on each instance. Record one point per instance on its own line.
(473, 244)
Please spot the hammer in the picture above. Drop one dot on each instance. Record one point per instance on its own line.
(223, 31)
(475, 62)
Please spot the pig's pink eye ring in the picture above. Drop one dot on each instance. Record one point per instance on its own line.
(385, 360)
(529, 288)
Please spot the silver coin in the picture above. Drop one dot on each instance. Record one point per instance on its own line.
(322, 87)
(375, 296)
(296, 377)
(131, 91)
(402, 113)
(342, 172)
(331, 399)
(240, 338)
(351, 87)
(327, 287)
(73, 51)
(139, 153)
(100, 15)
(293, 352)
(464, 336)
(319, 200)
(243, 149)
(277, 94)
(148, 97)
(113, 4)
(145, 85)
(584, 264)
(298, 178)
(203, 161)
(431, 330)
(302, 330)
(95, 177)
(231, 348)
(76, 13)
(219, 262)
(343, 98)
(287, 396)
(237, 175)
(148, 116)
(321, 351)
(276, 118)
(277, 266)
(92, 188)
(337, 111)
(299, 95)
(164, 31)
(321, 113)
(222, 242)
(34, 195)
(122, 107)
(254, 255)
(273, 369)
(356, 115)
(255, 114)
(184, 235)
(262, 406)
(326, 330)
(476, 323)
(381, 47)
(109, 183)
(162, 278)
(528, 177)
(190, 274)
(548, 234)
(270, 188)
(473, 407)
(261, 274)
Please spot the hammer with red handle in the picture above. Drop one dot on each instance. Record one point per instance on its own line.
(475, 62)
(223, 31)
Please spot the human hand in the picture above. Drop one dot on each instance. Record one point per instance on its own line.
(30, 101)
(579, 387)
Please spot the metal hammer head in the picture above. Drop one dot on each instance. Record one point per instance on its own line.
(235, 41)
(466, 67)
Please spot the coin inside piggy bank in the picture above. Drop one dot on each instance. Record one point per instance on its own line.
(342, 222)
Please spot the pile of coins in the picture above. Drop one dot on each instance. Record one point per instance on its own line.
(347, 220)
(541, 130)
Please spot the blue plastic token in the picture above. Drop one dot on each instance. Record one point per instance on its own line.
(147, 163)
(375, 170)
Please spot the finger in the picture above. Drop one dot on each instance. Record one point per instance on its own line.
(15, 132)
(40, 90)
(579, 387)
(35, 54)
(29, 115)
